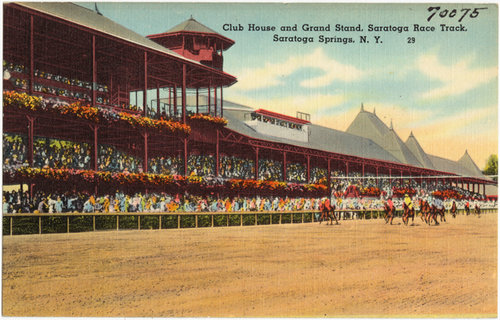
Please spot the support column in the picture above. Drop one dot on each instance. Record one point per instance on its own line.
(158, 116)
(484, 189)
(197, 101)
(185, 157)
(217, 154)
(175, 101)
(401, 177)
(209, 102)
(215, 101)
(221, 103)
(347, 168)
(31, 133)
(145, 162)
(170, 102)
(94, 73)
(32, 55)
(183, 93)
(145, 95)
(96, 148)
(257, 163)
(308, 169)
(284, 166)
(329, 178)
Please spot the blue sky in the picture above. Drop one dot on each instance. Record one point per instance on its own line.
(443, 87)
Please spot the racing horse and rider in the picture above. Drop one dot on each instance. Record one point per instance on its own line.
(409, 210)
(328, 212)
(389, 210)
(453, 209)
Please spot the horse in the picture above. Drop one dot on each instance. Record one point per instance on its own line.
(453, 210)
(424, 209)
(434, 212)
(389, 213)
(328, 212)
(477, 210)
(408, 213)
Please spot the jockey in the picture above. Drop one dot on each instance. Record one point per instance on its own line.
(390, 203)
(408, 202)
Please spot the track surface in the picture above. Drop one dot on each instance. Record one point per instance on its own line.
(358, 268)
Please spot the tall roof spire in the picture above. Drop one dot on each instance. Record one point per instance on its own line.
(374, 111)
(411, 134)
(362, 107)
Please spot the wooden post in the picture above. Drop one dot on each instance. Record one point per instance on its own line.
(10, 225)
(196, 220)
(221, 103)
(241, 219)
(39, 224)
(178, 221)
(117, 222)
(145, 95)
(67, 224)
(159, 222)
(94, 73)
(145, 162)
(227, 219)
(212, 220)
(255, 219)
(312, 216)
(93, 223)
(183, 93)
(291, 217)
(281, 215)
(270, 218)
(138, 222)
(302, 217)
(32, 55)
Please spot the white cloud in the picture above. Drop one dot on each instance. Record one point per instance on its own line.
(272, 74)
(456, 79)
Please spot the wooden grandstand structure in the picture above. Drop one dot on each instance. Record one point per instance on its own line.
(113, 63)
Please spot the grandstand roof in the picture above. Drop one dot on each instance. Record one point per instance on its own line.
(368, 125)
(347, 143)
(467, 162)
(321, 138)
(191, 26)
(92, 20)
(417, 150)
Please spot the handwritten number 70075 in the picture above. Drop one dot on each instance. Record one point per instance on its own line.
(452, 13)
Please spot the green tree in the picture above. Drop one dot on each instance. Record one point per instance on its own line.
(492, 166)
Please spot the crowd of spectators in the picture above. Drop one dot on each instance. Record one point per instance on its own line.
(17, 202)
(14, 150)
(201, 165)
(296, 172)
(114, 160)
(153, 202)
(166, 165)
(270, 170)
(53, 153)
(318, 175)
(231, 167)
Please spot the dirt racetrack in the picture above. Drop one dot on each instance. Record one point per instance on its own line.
(358, 268)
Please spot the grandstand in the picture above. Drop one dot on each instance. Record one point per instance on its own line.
(85, 96)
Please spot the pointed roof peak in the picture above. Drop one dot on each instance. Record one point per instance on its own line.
(466, 152)
(411, 134)
(362, 108)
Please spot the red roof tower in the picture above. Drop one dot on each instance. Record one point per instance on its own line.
(195, 41)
